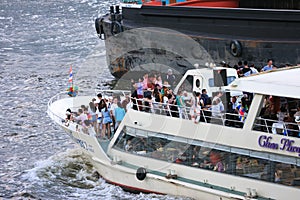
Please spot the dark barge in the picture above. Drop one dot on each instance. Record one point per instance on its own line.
(183, 34)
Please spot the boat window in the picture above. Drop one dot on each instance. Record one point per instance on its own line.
(197, 83)
(187, 84)
(278, 115)
(264, 166)
(211, 82)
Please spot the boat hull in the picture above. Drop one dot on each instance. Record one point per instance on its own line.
(119, 167)
(123, 174)
(118, 174)
(225, 34)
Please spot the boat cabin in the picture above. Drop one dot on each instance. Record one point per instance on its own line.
(211, 79)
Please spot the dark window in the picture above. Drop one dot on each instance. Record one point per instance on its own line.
(197, 83)
(223, 159)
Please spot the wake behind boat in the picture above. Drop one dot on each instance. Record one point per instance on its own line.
(223, 155)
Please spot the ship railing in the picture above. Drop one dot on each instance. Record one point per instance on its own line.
(72, 124)
(62, 119)
(53, 99)
(276, 127)
(184, 112)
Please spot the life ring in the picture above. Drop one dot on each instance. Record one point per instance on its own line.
(99, 28)
(235, 48)
(116, 28)
(141, 173)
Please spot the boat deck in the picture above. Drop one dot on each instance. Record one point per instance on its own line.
(58, 108)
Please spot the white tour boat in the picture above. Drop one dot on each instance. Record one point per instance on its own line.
(224, 156)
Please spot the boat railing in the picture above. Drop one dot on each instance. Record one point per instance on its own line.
(204, 115)
(73, 124)
(286, 128)
(60, 119)
(53, 99)
(222, 118)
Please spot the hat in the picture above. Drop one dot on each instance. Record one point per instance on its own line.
(68, 113)
(297, 119)
(170, 70)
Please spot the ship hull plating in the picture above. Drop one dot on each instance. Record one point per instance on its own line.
(229, 35)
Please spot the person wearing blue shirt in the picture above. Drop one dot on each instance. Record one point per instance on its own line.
(269, 66)
(119, 114)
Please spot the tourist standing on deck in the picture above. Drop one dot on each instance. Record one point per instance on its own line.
(253, 69)
(157, 99)
(106, 121)
(145, 81)
(180, 103)
(119, 114)
(246, 71)
(113, 106)
(199, 106)
(158, 81)
(100, 98)
(269, 66)
(239, 68)
(81, 116)
(205, 98)
(92, 111)
(140, 88)
(170, 78)
(205, 106)
(193, 105)
(217, 108)
(297, 119)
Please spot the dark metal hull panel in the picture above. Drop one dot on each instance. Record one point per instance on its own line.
(262, 34)
(214, 22)
(270, 4)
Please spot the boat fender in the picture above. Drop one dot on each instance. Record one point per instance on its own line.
(97, 25)
(235, 48)
(116, 28)
(141, 173)
(99, 28)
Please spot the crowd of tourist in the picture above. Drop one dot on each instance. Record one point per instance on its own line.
(154, 93)
(102, 116)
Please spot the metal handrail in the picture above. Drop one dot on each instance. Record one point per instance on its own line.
(269, 127)
(164, 109)
(73, 125)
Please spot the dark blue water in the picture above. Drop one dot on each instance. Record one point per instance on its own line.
(39, 41)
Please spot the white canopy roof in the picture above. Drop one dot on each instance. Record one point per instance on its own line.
(281, 82)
